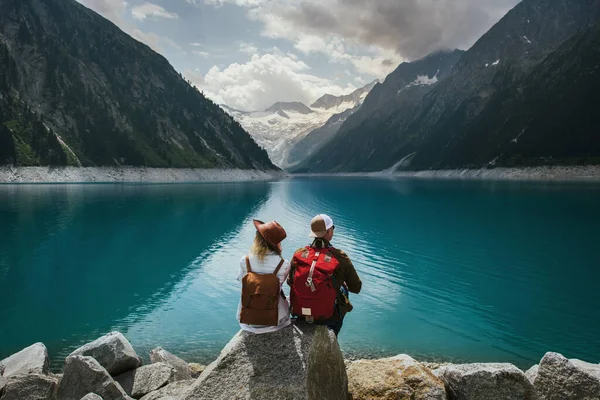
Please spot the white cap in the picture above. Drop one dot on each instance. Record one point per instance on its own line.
(319, 225)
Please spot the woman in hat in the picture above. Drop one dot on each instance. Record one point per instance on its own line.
(265, 258)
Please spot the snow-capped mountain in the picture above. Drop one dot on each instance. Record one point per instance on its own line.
(278, 128)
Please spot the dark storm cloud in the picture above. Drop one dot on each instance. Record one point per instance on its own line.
(413, 28)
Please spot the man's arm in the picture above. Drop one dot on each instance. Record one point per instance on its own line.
(350, 276)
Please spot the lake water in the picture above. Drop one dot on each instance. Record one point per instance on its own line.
(451, 270)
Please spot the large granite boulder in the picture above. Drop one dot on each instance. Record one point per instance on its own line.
(30, 360)
(85, 375)
(398, 378)
(559, 378)
(30, 387)
(91, 396)
(182, 369)
(485, 382)
(173, 391)
(146, 379)
(2, 385)
(113, 351)
(298, 362)
(531, 373)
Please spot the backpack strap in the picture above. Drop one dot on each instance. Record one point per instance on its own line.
(248, 264)
(278, 267)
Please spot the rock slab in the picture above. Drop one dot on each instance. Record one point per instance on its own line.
(531, 373)
(113, 351)
(30, 387)
(182, 369)
(173, 391)
(301, 361)
(91, 396)
(30, 360)
(485, 382)
(397, 378)
(84, 375)
(146, 379)
(559, 378)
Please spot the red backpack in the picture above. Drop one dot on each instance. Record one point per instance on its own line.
(313, 293)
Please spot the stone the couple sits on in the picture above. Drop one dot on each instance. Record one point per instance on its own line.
(320, 279)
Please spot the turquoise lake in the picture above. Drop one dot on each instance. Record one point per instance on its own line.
(452, 270)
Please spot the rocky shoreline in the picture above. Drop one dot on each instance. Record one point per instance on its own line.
(130, 175)
(558, 173)
(298, 362)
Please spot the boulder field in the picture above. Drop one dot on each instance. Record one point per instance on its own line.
(301, 361)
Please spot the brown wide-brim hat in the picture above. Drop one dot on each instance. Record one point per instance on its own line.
(272, 232)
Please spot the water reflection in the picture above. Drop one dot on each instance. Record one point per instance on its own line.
(78, 259)
(466, 271)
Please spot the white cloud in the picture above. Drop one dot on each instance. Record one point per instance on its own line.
(411, 28)
(204, 54)
(264, 80)
(147, 10)
(241, 3)
(248, 48)
(196, 44)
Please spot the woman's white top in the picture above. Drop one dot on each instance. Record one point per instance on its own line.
(267, 266)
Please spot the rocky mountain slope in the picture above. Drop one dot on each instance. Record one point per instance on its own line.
(74, 89)
(280, 127)
(456, 115)
(402, 88)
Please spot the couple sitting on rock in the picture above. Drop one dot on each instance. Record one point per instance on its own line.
(319, 275)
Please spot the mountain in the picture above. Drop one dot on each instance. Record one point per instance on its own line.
(389, 133)
(328, 101)
(281, 126)
(549, 116)
(295, 106)
(317, 138)
(404, 87)
(74, 89)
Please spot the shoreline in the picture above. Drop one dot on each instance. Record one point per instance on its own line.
(584, 173)
(50, 175)
(33, 175)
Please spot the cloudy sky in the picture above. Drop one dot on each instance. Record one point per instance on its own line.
(250, 53)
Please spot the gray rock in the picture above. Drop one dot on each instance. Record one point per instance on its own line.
(173, 391)
(113, 351)
(485, 382)
(30, 360)
(83, 375)
(398, 378)
(182, 369)
(30, 387)
(91, 396)
(2, 385)
(297, 362)
(560, 378)
(196, 369)
(146, 379)
(531, 373)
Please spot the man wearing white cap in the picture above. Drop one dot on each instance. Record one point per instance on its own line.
(321, 277)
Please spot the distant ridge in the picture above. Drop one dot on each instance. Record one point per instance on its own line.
(295, 106)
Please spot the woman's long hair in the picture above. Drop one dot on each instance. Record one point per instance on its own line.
(260, 248)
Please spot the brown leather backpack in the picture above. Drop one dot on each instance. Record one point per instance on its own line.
(260, 297)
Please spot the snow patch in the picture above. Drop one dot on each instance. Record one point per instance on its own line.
(527, 39)
(496, 62)
(422, 80)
